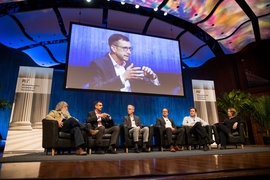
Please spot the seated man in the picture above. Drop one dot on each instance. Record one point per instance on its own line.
(70, 125)
(134, 125)
(169, 129)
(105, 124)
(197, 127)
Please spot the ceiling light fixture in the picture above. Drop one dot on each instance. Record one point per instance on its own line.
(137, 6)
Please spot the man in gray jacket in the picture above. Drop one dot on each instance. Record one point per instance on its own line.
(134, 125)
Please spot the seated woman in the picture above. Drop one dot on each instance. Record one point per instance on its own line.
(228, 126)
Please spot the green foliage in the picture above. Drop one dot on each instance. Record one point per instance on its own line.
(261, 114)
(241, 101)
(4, 103)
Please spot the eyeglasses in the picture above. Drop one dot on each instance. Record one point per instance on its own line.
(125, 48)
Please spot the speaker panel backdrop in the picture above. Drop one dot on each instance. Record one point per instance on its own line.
(148, 107)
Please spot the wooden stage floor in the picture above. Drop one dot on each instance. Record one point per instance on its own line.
(226, 166)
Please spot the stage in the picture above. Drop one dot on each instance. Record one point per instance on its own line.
(252, 161)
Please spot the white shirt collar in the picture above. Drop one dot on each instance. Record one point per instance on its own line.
(115, 64)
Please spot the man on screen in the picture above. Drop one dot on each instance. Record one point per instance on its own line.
(114, 71)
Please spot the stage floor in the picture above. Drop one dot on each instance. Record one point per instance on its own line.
(166, 165)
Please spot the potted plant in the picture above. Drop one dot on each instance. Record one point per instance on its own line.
(241, 101)
(261, 116)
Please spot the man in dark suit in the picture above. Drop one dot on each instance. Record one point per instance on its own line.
(134, 125)
(169, 128)
(105, 124)
(114, 72)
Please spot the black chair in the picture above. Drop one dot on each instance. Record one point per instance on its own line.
(239, 138)
(194, 139)
(161, 139)
(128, 138)
(54, 139)
(91, 141)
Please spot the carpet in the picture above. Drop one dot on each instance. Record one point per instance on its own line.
(42, 157)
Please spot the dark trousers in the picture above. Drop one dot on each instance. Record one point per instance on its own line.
(180, 132)
(223, 132)
(114, 130)
(199, 130)
(75, 128)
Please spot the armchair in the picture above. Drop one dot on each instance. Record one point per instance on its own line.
(239, 137)
(161, 139)
(91, 141)
(128, 138)
(194, 139)
(53, 139)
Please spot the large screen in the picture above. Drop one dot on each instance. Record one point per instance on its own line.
(100, 59)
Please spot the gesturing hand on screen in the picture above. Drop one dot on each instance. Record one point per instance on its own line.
(133, 73)
(148, 72)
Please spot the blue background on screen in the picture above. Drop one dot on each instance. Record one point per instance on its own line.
(88, 43)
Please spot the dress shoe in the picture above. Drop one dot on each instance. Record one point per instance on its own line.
(172, 149)
(177, 148)
(111, 151)
(145, 150)
(136, 150)
(80, 151)
(206, 148)
(222, 148)
(93, 132)
(230, 135)
(99, 151)
(211, 141)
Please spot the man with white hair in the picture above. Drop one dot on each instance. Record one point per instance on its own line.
(134, 125)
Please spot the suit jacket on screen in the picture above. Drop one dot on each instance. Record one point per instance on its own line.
(103, 76)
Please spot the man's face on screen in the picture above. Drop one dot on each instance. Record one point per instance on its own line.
(122, 50)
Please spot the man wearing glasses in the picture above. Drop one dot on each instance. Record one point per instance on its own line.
(114, 71)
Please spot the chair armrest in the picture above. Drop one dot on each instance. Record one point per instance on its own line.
(126, 132)
(241, 130)
(151, 133)
(158, 135)
(50, 133)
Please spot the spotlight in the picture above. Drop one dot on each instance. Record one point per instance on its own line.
(165, 13)
(123, 2)
(137, 6)
(88, 0)
(155, 9)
